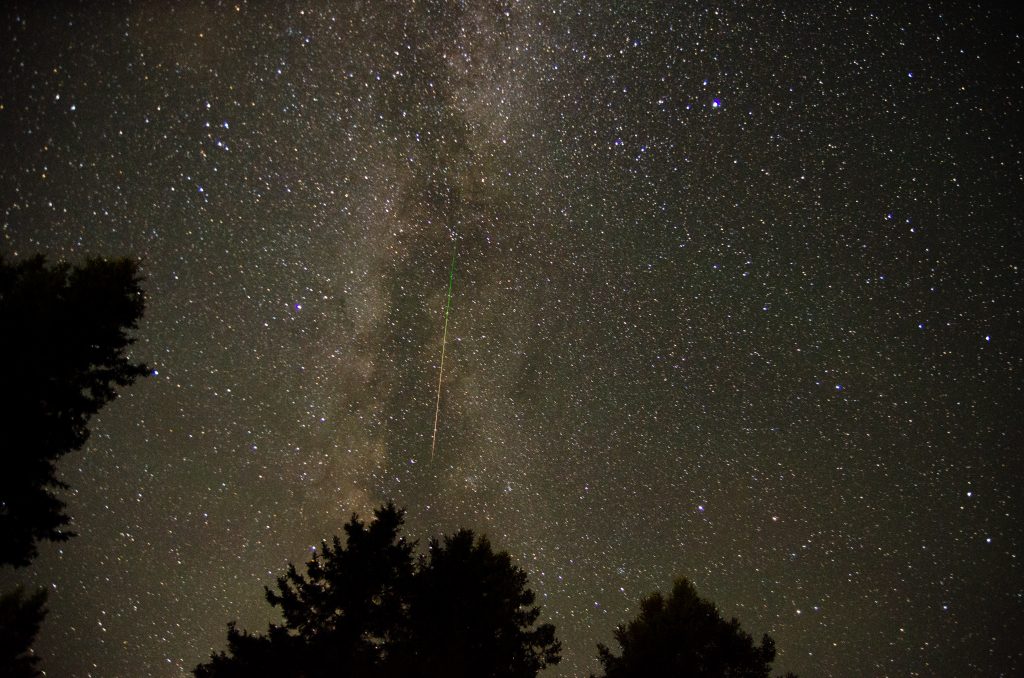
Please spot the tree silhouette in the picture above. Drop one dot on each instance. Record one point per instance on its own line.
(63, 338)
(20, 618)
(471, 615)
(368, 609)
(684, 636)
(344, 610)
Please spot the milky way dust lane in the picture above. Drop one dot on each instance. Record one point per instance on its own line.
(444, 339)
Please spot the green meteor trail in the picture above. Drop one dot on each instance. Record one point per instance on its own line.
(444, 339)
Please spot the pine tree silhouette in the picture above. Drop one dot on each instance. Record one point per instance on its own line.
(64, 333)
(368, 608)
(684, 636)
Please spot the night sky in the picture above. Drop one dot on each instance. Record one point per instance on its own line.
(737, 298)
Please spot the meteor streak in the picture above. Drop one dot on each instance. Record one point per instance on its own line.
(444, 339)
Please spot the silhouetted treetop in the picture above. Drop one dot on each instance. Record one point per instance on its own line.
(64, 334)
(684, 636)
(471, 614)
(344, 609)
(368, 608)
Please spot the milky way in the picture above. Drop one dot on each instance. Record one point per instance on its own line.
(737, 298)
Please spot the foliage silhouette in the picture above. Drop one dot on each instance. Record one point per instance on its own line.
(471, 614)
(369, 609)
(20, 618)
(63, 338)
(684, 636)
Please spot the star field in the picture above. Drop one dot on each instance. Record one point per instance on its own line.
(737, 298)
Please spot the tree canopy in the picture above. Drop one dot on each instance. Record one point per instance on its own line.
(684, 636)
(64, 333)
(368, 608)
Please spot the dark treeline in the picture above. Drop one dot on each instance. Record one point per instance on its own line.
(370, 606)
